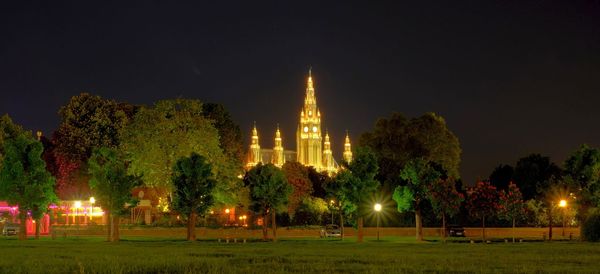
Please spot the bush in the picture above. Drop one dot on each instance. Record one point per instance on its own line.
(591, 227)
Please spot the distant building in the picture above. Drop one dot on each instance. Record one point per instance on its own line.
(311, 148)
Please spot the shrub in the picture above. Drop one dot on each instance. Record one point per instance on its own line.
(591, 227)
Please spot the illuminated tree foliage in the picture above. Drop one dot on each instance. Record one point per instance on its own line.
(355, 185)
(8, 130)
(419, 175)
(230, 135)
(511, 205)
(445, 200)
(194, 182)
(269, 191)
(112, 185)
(24, 180)
(582, 168)
(297, 176)
(397, 140)
(482, 202)
(171, 129)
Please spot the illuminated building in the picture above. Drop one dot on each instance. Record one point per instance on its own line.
(311, 148)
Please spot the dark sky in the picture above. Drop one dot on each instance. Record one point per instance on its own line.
(510, 77)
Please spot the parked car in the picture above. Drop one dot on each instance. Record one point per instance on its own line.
(331, 230)
(10, 229)
(455, 231)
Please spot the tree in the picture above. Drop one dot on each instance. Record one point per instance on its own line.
(160, 135)
(511, 205)
(502, 176)
(445, 200)
(24, 180)
(582, 169)
(8, 130)
(194, 182)
(297, 176)
(397, 140)
(230, 135)
(112, 185)
(419, 175)
(482, 202)
(269, 190)
(87, 122)
(533, 174)
(355, 185)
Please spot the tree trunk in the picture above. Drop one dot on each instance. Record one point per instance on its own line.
(419, 225)
(360, 230)
(115, 228)
(37, 228)
(513, 230)
(191, 227)
(341, 225)
(274, 226)
(264, 226)
(550, 223)
(483, 228)
(23, 226)
(444, 227)
(108, 227)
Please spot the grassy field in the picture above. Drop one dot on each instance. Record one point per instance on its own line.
(391, 255)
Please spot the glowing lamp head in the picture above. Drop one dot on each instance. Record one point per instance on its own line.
(92, 200)
(77, 204)
(562, 203)
(227, 210)
(377, 207)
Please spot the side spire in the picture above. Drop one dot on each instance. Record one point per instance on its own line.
(347, 149)
(254, 155)
(278, 158)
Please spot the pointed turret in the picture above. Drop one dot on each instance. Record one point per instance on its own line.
(347, 149)
(278, 158)
(328, 162)
(254, 155)
(309, 139)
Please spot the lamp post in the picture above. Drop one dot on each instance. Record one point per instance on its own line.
(563, 205)
(377, 208)
(331, 204)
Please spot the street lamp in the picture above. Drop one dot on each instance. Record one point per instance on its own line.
(377, 208)
(331, 203)
(77, 205)
(563, 204)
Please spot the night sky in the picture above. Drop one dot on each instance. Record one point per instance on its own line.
(510, 77)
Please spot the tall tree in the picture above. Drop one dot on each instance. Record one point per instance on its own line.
(24, 180)
(512, 205)
(445, 200)
(160, 135)
(194, 182)
(269, 191)
(297, 176)
(582, 169)
(8, 130)
(482, 202)
(112, 185)
(397, 140)
(419, 175)
(533, 175)
(502, 176)
(230, 135)
(356, 185)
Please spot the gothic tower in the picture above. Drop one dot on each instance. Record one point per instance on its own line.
(308, 135)
(328, 162)
(254, 156)
(278, 158)
(347, 149)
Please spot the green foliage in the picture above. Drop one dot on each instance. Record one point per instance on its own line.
(297, 176)
(89, 122)
(583, 173)
(8, 130)
(269, 189)
(160, 135)
(194, 183)
(110, 181)
(397, 140)
(419, 174)
(534, 175)
(511, 203)
(24, 180)
(230, 135)
(591, 227)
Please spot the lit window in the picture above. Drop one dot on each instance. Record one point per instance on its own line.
(314, 129)
(305, 129)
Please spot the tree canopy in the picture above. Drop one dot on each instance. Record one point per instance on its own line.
(8, 130)
(533, 175)
(397, 140)
(171, 129)
(582, 168)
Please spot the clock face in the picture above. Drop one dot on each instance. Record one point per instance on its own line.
(310, 113)
(314, 129)
(305, 129)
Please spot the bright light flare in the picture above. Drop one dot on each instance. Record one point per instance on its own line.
(562, 203)
(377, 207)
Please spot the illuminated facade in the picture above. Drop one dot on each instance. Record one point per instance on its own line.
(311, 148)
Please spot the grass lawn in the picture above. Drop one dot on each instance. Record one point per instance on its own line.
(391, 255)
